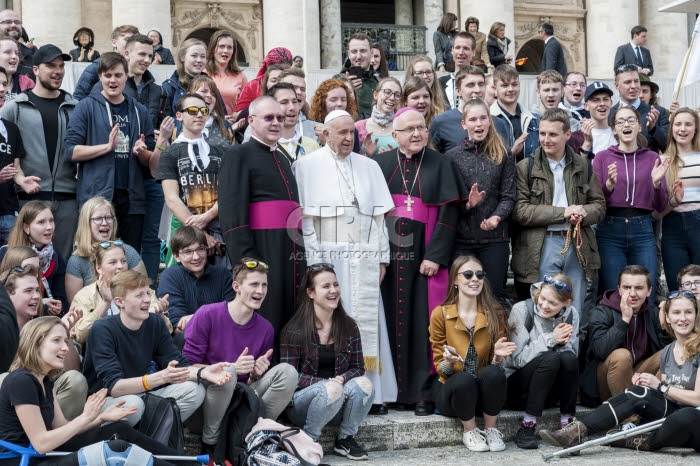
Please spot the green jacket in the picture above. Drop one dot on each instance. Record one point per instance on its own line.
(365, 93)
(534, 211)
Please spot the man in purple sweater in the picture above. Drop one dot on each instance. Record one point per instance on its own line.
(232, 331)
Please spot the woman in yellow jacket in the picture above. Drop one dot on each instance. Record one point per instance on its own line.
(468, 337)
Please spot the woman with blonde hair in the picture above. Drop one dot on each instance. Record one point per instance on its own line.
(679, 244)
(498, 45)
(222, 66)
(417, 94)
(35, 228)
(374, 133)
(488, 171)
(19, 256)
(97, 222)
(190, 61)
(421, 66)
(469, 339)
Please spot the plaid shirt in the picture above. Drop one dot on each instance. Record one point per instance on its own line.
(349, 363)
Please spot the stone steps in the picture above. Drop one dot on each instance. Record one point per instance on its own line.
(401, 430)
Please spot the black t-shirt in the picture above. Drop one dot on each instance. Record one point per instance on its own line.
(22, 388)
(120, 113)
(10, 149)
(326, 361)
(48, 108)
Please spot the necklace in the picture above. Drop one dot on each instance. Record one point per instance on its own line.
(408, 201)
(355, 203)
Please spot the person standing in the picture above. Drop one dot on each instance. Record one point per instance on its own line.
(42, 116)
(442, 40)
(259, 210)
(463, 46)
(359, 56)
(634, 53)
(344, 198)
(553, 54)
(425, 186)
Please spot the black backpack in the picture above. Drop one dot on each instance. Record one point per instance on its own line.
(240, 418)
(162, 422)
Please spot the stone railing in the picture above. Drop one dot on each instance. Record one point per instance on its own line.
(400, 43)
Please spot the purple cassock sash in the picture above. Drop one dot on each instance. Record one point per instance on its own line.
(428, 215)
(273, 215)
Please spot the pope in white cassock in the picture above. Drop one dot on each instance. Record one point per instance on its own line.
(344, 197)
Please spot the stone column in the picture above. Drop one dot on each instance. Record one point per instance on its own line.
(331, 35)
(667, 38)
(403, 12)
(613, 22)
(48, 23)
(304, 37)
(452, 6)
(432, 9)
(488, 12)
(152, 14)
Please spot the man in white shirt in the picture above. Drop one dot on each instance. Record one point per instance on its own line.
(597, 134)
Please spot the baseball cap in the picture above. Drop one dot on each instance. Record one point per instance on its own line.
(48, 53)
(594, 87)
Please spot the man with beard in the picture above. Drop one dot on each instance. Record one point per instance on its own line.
(359, 55)
(42, 115)
(11, 25)
(463, 46)
(423, 185)
(344, 199)
(574, 88)
(259, 211)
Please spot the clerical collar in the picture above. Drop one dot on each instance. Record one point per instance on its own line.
(272, 148)
(336, 156)
(409, 157)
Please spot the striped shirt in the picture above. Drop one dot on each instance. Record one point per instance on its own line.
(690, 176)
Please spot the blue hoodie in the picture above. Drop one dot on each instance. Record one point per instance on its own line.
(90, 125)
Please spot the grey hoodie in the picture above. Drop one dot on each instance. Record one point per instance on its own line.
(528, 345)
(26, 116)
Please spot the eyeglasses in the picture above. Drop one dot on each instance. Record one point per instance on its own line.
(679, 293)
(107, 244)
(254, 264)
(388, 93)
(423, 73)
(271, 118)
(194, 110)
(558, 284)
(420, 129)
(629, 120)
(625, 68)
(688, 285)
(11, 21)
(576, 85)
(108, 219)
(14, 269)
(468, 274)
(187, 253)
(320, 266)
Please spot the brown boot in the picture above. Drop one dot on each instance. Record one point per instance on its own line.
(573, 434)
(639, 442)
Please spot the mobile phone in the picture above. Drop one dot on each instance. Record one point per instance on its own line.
(355, 71)
(221, 249)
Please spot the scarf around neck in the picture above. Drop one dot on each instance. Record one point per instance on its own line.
(382, 119)
(503, 44)
(45, 257)
(203, 147)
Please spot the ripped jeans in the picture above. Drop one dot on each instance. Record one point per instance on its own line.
(325, 402)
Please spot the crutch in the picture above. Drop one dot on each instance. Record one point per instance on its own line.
(26, 453)
(648, 427)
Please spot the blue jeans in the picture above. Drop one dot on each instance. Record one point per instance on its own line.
(6, 224)
(679, 243)
(150, 243)
(553, 261)
(626, 241)
(324, 402)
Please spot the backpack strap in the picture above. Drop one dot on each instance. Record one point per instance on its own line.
(530, 316)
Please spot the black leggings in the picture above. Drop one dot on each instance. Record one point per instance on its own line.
(122, 430)
(549, 377)
(648, 403)
(680, 429)
(460, 395)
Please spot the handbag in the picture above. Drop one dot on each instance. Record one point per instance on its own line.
(162, 422)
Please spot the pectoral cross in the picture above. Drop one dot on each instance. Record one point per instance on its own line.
(408, 201)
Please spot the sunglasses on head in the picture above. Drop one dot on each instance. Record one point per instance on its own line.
(254, 264)
(320, 266)
(14, 269)
(107, 244)
(468, 274)
(558, 284)
(194, 110)
(681, 293)
(625, 68)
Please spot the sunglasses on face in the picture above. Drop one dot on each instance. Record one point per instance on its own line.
(681, 293)
(254, 264)
(271, 118)
(468, 274)
(194, 110)
(558, 284)
(107, 244)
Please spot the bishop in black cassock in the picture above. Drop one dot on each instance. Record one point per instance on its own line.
(422, 229)
(259, 212)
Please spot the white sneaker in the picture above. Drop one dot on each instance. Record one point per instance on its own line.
(475, 441)
(494, 438)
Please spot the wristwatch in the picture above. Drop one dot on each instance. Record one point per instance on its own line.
(663, 388)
